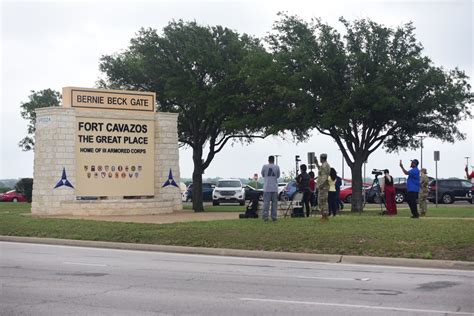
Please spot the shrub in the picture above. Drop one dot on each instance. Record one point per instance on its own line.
(25, 187)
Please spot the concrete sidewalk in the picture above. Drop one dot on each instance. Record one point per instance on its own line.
(175, 217)
(399, 262)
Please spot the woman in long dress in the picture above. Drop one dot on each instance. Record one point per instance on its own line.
(389, 192)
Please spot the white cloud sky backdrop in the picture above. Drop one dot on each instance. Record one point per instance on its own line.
(56, 44)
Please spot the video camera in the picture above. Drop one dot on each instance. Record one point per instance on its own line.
(377, 172)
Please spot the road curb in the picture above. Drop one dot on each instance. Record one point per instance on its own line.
(385, 261)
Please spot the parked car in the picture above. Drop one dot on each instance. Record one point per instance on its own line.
(288, 191)
(228, 191)
(12, 196)
(345, 195)
(207, 189)
(450, 190)
(372, 194)
(250, 192)
(400, 185)
(183, 189)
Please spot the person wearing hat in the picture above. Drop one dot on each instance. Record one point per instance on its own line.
(413, 186)
(423, 191)
(323, 185)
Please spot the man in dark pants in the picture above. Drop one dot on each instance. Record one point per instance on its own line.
(303, 186)
(413, 186)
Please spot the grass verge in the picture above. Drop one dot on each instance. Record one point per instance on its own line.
(368, 234)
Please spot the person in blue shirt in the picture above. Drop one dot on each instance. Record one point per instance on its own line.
(413, 186)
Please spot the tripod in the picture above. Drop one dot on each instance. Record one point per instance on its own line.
(378, 198)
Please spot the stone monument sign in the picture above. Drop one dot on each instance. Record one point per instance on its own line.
(105, 152)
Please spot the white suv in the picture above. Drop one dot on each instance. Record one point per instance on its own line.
(228, 191)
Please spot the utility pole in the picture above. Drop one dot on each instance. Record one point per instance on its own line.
(342, 169)
(421, 137)
(276, 159)
(467, 161)
(342, 165)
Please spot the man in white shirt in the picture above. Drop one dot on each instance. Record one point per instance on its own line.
(270, 173)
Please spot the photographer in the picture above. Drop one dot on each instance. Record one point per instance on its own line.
(413, 186)
(388, 190)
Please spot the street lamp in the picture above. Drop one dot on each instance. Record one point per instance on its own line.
(276, 159)
(342, 165)
(421, 137)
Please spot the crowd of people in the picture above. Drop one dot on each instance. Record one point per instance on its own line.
(328, 185)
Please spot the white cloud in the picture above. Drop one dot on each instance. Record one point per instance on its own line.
(55, 44)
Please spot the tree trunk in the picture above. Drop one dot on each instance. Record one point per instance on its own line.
(357, 198)
(198, 205)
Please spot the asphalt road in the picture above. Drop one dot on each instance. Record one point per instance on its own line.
(61, 280)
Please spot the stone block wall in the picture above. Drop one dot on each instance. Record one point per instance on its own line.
(55, 150)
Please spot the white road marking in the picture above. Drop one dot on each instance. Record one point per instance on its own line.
(358, 306)
(335, 279)
(86, 264)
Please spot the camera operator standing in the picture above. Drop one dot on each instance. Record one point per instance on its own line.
(413, 186)
(303, 186)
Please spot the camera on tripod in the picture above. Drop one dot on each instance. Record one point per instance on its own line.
(377, 172)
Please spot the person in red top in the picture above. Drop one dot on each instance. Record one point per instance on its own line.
(389, 192)
(470, 177)
(312, 189)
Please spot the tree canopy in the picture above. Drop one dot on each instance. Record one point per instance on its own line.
(39, 99)
(367, 88)
(200, 72)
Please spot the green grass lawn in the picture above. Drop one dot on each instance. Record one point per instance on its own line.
(461, 210)
(435, 237)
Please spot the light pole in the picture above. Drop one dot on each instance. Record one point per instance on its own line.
(276, 159)
(467, 161)
(421, 139)
(363, 180)
(342, 165)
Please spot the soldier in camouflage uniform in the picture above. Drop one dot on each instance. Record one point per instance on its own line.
(423, 191)
(323, 185)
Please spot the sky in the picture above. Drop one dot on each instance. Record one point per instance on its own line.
(54, 44)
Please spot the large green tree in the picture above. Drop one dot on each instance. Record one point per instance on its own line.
(200, 72)
(37, 99)
(369, 88)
